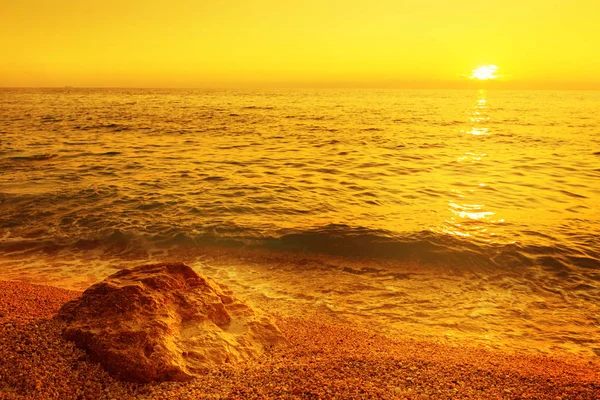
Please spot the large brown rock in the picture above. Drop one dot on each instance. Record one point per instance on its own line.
(165, 322)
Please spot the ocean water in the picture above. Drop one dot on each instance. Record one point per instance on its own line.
(466, 214)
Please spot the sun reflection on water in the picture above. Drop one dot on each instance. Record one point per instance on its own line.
(478, 131)
(472, 157)
(470, 220)
(479, 115)
(470, 215)
(470, 211)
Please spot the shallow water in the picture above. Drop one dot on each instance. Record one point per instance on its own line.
(469, 214)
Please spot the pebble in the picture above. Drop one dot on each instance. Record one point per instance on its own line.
(316, 364)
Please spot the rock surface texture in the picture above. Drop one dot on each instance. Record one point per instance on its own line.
(165, 322)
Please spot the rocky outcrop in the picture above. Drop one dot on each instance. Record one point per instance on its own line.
(165, 322)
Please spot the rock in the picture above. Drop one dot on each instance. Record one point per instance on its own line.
(165, 322)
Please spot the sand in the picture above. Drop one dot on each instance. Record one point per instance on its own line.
(325, 359)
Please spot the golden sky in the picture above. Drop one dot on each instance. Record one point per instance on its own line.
(345, 43)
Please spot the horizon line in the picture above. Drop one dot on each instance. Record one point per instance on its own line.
(331, 87)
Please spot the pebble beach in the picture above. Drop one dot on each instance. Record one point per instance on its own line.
(325, 359)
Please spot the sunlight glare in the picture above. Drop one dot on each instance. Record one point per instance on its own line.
(485, 72)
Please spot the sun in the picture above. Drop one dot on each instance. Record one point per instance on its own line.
(485, 72)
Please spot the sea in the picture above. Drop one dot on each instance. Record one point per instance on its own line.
(465, 216)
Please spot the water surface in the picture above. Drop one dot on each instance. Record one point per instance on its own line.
(469, 214)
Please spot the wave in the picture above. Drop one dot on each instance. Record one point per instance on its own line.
(433, 248)
(424, 247)
(35, 157)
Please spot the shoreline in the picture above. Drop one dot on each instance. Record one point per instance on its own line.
(325, 359)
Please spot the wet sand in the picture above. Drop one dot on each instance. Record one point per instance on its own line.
(325, 359)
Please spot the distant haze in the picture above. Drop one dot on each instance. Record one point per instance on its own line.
(545, 44)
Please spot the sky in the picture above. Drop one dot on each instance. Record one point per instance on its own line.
(535, 44)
